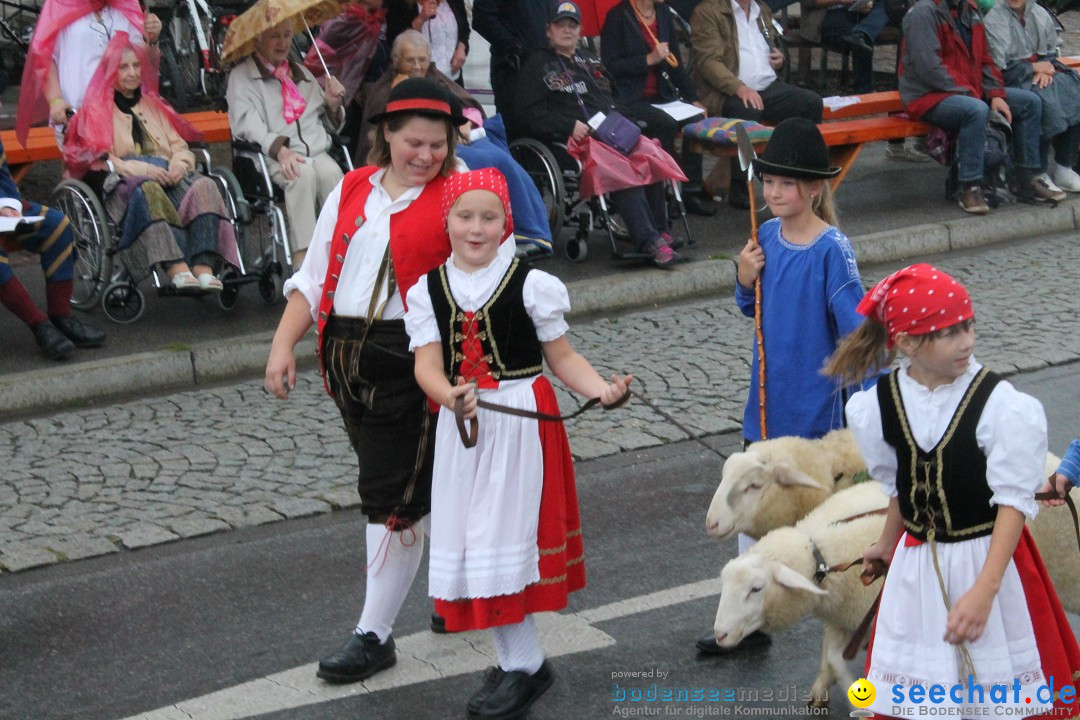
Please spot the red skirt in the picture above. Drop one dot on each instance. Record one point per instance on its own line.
(562, 556)
(1058, 651)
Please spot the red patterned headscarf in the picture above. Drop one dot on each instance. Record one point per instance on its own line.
(488, 179)
(917, 300)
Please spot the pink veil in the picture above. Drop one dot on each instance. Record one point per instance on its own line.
(55, 16)
(90, 131)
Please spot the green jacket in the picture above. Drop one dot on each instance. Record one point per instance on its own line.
(715, 39)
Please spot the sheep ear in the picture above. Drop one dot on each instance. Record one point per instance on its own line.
(787, 577)
(788, 476)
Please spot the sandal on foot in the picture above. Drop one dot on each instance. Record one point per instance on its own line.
(209, 282)
(184, 282)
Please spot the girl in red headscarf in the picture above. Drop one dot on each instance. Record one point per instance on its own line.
(966, 604)
(174, 217)
(69, 40)
(505, 534)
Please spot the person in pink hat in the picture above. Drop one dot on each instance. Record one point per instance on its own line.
(505, 532)
(966, 604)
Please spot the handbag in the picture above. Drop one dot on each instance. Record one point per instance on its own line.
(618, 132)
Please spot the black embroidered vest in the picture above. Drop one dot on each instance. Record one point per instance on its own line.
(506, 332)
(942, 492)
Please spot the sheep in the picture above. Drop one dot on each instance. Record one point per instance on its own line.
(771, 587)
(774, 483)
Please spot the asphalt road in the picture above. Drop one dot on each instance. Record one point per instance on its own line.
(131, 634)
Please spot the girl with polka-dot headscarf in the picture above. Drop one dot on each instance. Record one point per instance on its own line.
(960, 452)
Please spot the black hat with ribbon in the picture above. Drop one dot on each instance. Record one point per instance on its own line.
(796, 149)
(422, 97)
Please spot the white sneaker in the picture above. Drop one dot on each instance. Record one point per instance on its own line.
(1067, 179)
(904, 153)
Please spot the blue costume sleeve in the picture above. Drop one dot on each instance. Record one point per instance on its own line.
(1070, 464)
(843, 285)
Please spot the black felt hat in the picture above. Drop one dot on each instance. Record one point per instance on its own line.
(796, 149)
(423, 97)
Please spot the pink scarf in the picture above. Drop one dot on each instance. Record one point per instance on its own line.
(292, 101)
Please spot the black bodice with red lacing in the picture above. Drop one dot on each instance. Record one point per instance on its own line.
(496, 342)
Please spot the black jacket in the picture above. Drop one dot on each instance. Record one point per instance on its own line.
(401, 13)
(547, 101)
(623, 45)
(513, 27)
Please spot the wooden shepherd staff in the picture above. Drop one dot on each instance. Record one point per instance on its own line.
(747, 155)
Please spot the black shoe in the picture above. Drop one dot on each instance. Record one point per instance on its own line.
(361, 657)
(706, 644)
(78, 332)
(438, 624)
(697, 204)
(515, 693)
(859, 43)
(52, 342)
(738, 195)
(492, 677)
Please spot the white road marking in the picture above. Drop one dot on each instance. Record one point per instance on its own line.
(422, 657)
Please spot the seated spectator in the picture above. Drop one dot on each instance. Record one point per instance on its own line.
(410, 56)
(58, 332)
(514, 28)
(639, 48)
(832, 22)
(948, 79)
(1024, 45)
(445, 24)
(734, 70)
(169, 217)
(560, 88)
(276, 103)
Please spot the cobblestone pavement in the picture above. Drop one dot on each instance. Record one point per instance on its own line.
(90, 482)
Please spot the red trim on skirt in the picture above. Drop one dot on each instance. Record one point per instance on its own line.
(562, 556)
(1058, 651)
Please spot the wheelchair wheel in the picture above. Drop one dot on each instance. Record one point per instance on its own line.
(233, 194)
(123, 302)
(270, 284)
(230, 293)
(93, 266)
(540, 163)
(577, 249)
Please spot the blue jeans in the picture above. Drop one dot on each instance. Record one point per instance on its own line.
(839, 22)
(966, 116)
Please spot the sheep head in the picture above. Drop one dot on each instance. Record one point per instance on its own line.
(760, 593)
(746, 479)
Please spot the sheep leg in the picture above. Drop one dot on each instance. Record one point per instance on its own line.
(832, 640)
(833, 650)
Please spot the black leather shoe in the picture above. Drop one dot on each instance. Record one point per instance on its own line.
(492, 677)
(698, 204)
(52, 342)
(438, 624)
(78, 332)
(859, 43)
(738, 195)
(361, 657)
(515, 693)
(706, 644)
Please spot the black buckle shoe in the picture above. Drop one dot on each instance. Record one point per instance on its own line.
(53, 344)
(78, 332)
(515, 693)
(361, 657)
(492, 677)
(438, 624)
(707, 645)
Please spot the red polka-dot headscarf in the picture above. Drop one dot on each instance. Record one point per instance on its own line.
(917, 300)
(488, 179)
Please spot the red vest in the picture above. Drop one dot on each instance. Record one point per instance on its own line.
(418, 241)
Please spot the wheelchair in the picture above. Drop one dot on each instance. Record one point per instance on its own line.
(261, 208)
(107, 275)
(557, 176)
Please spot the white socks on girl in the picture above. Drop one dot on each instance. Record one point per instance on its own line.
(518, 647)
(391, 568)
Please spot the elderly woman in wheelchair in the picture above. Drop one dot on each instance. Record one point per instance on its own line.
(559, 89)
(167, 216)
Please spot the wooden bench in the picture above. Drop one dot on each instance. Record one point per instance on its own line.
(847, 129)
(41, 142)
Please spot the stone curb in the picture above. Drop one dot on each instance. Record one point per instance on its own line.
(56, 388)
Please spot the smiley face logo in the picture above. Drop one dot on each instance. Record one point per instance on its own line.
(861, 693)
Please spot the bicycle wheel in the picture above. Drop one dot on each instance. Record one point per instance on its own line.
(93, 239)
(174, 83)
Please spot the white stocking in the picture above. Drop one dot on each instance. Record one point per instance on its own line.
(391, 567)
(518, 647)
